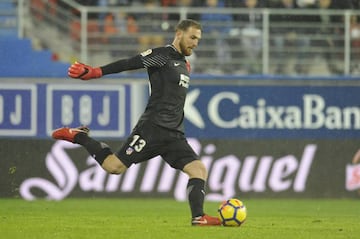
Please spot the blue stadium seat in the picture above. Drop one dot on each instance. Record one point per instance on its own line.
(7, 6)
(18, 59)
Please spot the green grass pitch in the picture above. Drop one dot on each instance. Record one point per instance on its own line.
(166, 218)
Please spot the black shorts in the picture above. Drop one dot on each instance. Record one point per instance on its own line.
(149, 140)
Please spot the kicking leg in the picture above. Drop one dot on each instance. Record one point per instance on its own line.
(100, 151)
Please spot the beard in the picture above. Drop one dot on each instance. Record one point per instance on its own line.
(186, 51)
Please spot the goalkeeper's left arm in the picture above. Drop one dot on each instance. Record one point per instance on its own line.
(81, 71)
(85, 72)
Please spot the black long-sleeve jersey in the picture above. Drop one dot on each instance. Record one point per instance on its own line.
(169, 79)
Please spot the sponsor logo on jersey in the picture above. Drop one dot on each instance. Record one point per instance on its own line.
(146, 53)
(184, 81)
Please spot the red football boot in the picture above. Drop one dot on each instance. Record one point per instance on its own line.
(68, 134)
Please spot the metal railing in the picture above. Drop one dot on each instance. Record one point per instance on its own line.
(234, 41)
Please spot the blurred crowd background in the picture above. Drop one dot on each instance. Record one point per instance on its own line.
(336, 4)
(282, 37)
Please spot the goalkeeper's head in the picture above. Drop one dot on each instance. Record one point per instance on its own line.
(187, 36)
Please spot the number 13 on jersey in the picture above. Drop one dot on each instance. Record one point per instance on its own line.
(137, 143)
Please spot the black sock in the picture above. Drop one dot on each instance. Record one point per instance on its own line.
(196, 195)
(98, 150)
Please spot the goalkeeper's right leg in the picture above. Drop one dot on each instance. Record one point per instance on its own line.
(69, 134)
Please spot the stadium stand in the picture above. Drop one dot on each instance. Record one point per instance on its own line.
(19, 59)
(95, 34)
(18, 56)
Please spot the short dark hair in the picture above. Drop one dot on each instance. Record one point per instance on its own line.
(183, 25)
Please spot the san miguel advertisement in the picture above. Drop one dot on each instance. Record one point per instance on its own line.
(263, 140)
(45, 169)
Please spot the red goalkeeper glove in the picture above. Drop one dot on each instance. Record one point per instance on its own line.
(81, 71)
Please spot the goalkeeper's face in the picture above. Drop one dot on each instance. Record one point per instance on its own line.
(189, 40)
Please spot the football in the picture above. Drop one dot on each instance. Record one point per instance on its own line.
(232, 213)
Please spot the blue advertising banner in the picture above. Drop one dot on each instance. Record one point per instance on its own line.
(18, 110)
(212, 110)
(273, 112)
(37, 109)
(102, 108)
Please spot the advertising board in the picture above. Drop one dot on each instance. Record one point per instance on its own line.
(257, 139)
(211, 111)
(47, 169)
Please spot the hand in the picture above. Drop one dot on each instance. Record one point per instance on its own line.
(81, 71)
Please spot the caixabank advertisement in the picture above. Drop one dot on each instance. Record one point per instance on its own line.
(257, 139)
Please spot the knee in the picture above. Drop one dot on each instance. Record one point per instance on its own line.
(113, 165)
(115, 169)
(196, 169)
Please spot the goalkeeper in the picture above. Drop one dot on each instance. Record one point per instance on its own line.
(160, 129)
